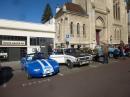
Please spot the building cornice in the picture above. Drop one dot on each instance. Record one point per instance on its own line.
(21, 29)
(117, 24)
(73, 13)
(105, 12)
(26, 26)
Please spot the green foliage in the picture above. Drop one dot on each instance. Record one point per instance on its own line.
(128, 4)
(47, 15)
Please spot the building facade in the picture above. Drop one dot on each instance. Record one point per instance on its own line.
(87, 23)
(129, 26)
(18, 38)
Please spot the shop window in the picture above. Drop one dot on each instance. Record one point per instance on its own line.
(84, 30)
(78, 30)
(71, 29)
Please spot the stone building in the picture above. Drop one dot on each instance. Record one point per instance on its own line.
(129, 26)
(86, 23)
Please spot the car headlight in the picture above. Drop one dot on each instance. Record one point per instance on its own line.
(36, 70)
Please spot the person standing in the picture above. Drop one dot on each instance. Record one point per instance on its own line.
(105, 53)
(121, 47)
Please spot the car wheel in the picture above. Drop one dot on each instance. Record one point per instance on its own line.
(69, 64)
(28, 76)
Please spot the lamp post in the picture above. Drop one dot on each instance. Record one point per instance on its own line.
(111, 39)
(67, 40)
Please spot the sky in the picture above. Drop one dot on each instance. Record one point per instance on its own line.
(27, 10)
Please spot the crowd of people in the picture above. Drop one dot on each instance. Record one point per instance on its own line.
(105, 51)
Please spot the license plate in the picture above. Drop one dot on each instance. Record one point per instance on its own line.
(47, 71)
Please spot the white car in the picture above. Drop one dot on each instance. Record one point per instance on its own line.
(70, 56)
(3, 55)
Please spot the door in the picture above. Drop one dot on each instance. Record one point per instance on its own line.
(14, 54)
(97, 37)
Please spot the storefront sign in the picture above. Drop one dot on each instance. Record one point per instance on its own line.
(13, 43)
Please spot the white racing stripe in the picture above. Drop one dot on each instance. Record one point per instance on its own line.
(52, 70)
(42, 65)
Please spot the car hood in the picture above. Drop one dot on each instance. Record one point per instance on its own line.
(42, 64)
(34, 64)
(79, 54)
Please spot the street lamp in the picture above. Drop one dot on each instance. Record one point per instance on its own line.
(111, 39)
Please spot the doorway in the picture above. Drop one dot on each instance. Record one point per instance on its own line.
(98, 36)
(14, 54)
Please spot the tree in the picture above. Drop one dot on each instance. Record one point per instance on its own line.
(128, 4)
(47, 15)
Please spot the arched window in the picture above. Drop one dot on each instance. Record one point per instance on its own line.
(59, 27)
(100, 22)
(84, 30)
(115, 34)
(71, 29)
(119, 34)
(78, 29)
(116, 9)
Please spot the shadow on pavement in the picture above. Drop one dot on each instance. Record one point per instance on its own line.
(5, 74)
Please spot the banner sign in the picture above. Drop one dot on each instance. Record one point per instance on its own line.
(13, 43)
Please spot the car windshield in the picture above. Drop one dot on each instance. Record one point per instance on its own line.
(58, 51)
(72, 50)
(67, 51)
(35, 56)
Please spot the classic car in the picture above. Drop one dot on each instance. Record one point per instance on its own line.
(113, 52)
(3, 55)
(35, 65)
(70, 56)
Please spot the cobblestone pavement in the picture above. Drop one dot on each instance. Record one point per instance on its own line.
(15, 65)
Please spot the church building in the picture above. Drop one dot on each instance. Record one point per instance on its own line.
(87, 23)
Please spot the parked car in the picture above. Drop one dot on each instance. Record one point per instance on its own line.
(36, 66)
(3, 55)
(70, 56)
(114, 52)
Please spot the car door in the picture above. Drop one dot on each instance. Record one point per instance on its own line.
(58, 55)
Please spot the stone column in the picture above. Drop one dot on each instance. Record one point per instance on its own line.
(92, 40)
(28, 44)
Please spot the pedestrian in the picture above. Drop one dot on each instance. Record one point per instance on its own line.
(105, 52)
(126, 50)
(50, 49)
(122, 50)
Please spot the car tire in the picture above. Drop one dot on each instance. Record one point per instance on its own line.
(28, 75)
(69, 64)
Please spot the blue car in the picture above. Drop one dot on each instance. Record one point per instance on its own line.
(114, 52)
(35, 65)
